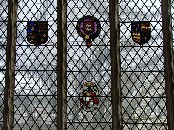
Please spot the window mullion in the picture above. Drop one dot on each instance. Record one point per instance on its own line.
(168, 59)
(8, 116)
(61, 65)
(115, 65)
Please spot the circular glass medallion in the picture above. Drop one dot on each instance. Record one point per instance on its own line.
(88, 97)
(88, 27)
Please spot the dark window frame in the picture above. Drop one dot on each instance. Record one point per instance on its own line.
(61, 70)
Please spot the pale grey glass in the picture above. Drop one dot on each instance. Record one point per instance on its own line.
(3, 43)
(142, 69)
(88, 64)
(35, 100)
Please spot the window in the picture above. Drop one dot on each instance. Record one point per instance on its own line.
(3, 42)
(35, 69)
(42, 85)
(91, 64)
(142, 68)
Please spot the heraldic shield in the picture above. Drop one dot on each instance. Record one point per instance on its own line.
(88, 27)
(89, 97)
(140, 31)
(37, 32)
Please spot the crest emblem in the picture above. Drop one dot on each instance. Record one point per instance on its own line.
(37, 32)
(88, 97)
(88, 27)
(140, 32)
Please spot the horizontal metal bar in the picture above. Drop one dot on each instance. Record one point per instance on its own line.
(123, 97)
(34, 95)
(49, 21)
(145, 123)
(76, 21)
(92, 45)
(2, 69)
(99, 21)
(89, 122)
(83, 96)
(26, 21)
(87, 71)
(85, 45)
(120, 45)
(143, 97)
(140, 46)
(37, 20)
(34, 70)
(144, 71)
(159, 46)
(34, 45)
(139, 20)
(123, 123)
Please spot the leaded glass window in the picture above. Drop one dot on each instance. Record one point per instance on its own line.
(142, 69)
(88, 64)
(35, 71)
(68, 80)
(3, 43)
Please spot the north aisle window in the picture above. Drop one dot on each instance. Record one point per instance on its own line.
(142, 68)
(35, 71)
(88, 65)
(3, 43)
(72, 64)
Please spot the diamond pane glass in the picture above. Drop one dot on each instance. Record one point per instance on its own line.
(2, 85)
(3, 43)
(142, 69)
(35, 71)
(88, 64)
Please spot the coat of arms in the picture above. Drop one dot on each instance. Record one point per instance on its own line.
(140, 31)
(88, 97)
(37, 32)
(89, 28)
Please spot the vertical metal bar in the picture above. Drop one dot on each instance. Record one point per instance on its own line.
(115, 64)
(168, 60)
(61, 64)
(8, 113)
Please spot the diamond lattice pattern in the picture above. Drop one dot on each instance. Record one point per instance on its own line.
(3, 43)
(88, 64)
(35, 71)
(142, 69)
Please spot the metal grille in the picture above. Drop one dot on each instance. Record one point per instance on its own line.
(142, 70)
(88, 64)
(35, 71)
(3, 39)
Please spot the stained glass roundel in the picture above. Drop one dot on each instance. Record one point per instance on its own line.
(88, 27)
(88, 97)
